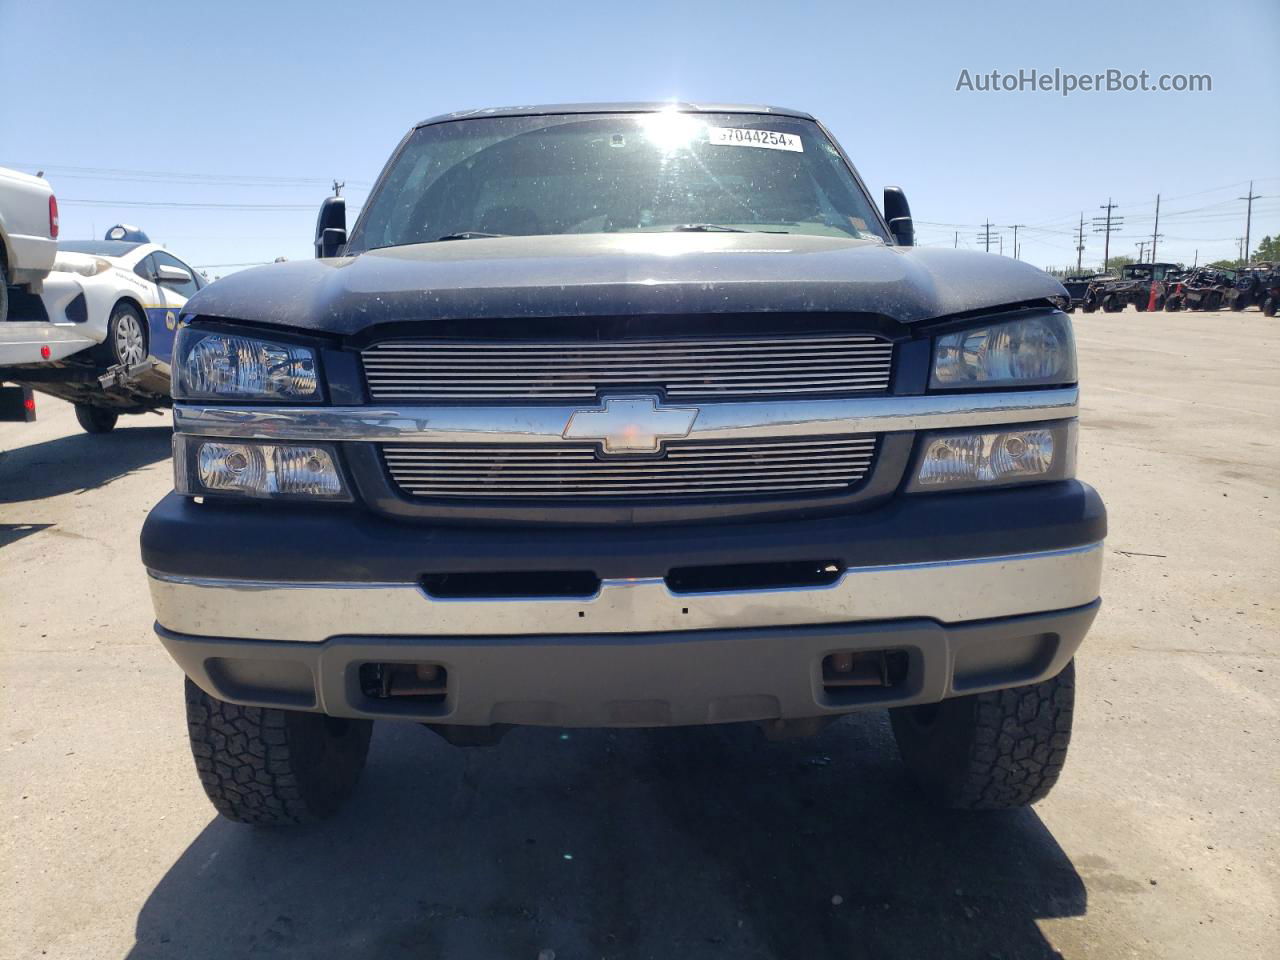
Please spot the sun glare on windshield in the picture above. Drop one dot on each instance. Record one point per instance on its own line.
(671, 131)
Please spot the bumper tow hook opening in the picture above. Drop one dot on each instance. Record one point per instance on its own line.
(422, 681)
(874, 668)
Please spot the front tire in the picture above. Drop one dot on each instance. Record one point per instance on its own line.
(96, 419)
(1269, 307)
(274, 767)
(989, 751)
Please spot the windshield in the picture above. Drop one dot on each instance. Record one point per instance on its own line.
(615, 173)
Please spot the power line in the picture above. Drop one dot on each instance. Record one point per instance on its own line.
(173, 176)
(211, 205)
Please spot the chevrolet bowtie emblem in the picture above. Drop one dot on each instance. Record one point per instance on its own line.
(631, 424)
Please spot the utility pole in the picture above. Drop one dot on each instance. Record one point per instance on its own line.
(1107, 225)
(985, 236)
(1142, 248)
(337, 187)
(956, 244)
(1080, 243)
(1248, 220)
(1002, 244)
(1155, 231)
(1015, 227)
(1240, 247)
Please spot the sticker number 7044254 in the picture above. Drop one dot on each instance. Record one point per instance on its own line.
(743, 137)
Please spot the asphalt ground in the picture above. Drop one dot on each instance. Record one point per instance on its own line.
(1160, 841)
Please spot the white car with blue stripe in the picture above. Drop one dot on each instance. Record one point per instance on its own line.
(100, 333)
(134, 291)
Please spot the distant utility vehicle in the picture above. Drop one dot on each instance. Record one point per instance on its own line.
(1144, 285)
(624, 416)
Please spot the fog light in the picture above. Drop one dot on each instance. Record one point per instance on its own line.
(961, 460)
(256, 469)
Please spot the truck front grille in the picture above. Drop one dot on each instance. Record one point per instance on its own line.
(687, 469)
(799, 365)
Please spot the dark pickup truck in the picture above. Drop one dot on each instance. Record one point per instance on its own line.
(624, 416)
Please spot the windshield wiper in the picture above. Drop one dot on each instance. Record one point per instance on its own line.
(469, 235)
(707, 228)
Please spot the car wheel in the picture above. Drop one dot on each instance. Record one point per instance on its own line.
(1238, 304)
(126, 341)
(4, 294)
(274, 767)
(1140, 305)
(96, 419)
(1269, 307)
(989, 751)
(1213, 301)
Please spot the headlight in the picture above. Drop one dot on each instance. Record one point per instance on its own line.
(992, 458)
(1022, 353)
(210, 365)
(205, 466)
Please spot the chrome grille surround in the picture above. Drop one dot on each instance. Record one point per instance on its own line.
(688, 469)
(728, 367)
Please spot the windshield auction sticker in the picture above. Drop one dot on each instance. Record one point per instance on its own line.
(740, 137)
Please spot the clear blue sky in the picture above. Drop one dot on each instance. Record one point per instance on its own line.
(263, 103)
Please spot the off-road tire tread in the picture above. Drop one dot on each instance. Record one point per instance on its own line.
(1019, 745)
(249, 762)
(992, 751)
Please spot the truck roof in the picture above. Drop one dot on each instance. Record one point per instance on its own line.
(652, 106)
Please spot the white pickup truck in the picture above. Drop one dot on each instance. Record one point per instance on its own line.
(28, 233)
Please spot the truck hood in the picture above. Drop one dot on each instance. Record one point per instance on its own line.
(621, 274)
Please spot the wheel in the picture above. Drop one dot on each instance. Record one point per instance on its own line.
(1213, 301)
(1173, 305)
(96, 419)
(1238, 304)
(1269, 307)
(4, 293)
(1111, 305)
(126, 341)
(1159, 304)
(1140, 305)
(1089, 307)
(274, 767)
(989, 751)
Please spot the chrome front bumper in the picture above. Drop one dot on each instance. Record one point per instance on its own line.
(952, 591)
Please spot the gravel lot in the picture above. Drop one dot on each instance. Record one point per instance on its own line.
(1161, 840)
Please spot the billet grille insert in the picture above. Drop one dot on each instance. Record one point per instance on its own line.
(454, 370)
(573, 470)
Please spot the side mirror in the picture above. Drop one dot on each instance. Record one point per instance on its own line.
(167, 273)
(898, 212)
(331, 227)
